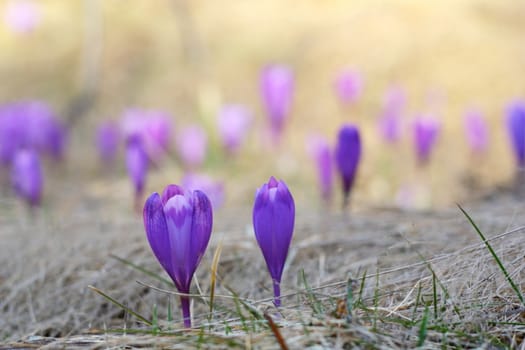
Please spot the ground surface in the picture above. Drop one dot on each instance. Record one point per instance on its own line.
(46, 300)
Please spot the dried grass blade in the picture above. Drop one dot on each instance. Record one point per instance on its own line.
(214, 267)
(276, 332)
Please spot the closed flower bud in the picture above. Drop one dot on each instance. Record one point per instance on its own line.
(347, 156)
(178, 226)
(273, 223)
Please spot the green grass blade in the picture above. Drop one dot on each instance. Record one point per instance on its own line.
(494, 255)
(143, 270)
(122, 306)
(422, 334)
(349, 300)
(316, 305)
(434, 295)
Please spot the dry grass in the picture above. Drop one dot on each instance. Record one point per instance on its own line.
(388, 254)
(416, 277)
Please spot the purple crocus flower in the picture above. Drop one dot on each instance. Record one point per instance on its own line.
(21, 16)
(426, 130)
(137, 165)
(233, 123)
(153, 126)
(476, 131)
(213, 189)
(273, 223)
(178, 226)
(26, 176)
(192, 143)
(10, 136)
(323, 157)
(107, 141)
(516, 130)
(40, 128)
(348, 86)
(30, 124)
(347, 156)
(390, 122)
(277, 87)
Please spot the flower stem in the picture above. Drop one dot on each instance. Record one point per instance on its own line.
(276, 293)
(185, 305)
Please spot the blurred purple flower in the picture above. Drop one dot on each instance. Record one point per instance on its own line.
(10, 134)
(154, 128)
(26, 176)
(323, 157)
(347, 156)
(233, 123)
(137, 165)
(22, 16)
(107, 141)
(277, 88)
(348, 86)
(30, 124)
(390, 122)
(178, 226)
(213, 189)
(192, 143)
(44, 130)
(273, 223)
(476, 131)
(516, 130)
(426, 130)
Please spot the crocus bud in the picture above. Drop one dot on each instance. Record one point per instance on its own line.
(192, 143)
(323, 158)
(348, 86)
(426, 131)
(390, 122)
(213, 189)
(273, 223)
(107, 141)
(347, 156)
(516, 130)
(137, 164)
(233, 123)
(476, 131)
(26, 176)
(277, 87)
(22, 16)
(178, 226)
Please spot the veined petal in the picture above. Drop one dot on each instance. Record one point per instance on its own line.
(157, 232)
(178, 212)
(170, 191)
(201, 228)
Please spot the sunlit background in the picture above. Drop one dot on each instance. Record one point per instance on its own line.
(91, 60)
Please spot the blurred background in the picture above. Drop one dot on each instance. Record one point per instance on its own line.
(91, 60)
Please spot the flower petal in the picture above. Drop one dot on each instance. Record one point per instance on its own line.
(170, 191)
(178, 212)
(157, 232)
(202, 226)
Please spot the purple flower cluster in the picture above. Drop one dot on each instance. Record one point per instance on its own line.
(29, 130)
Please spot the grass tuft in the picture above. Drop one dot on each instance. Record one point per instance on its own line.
(494, 255)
